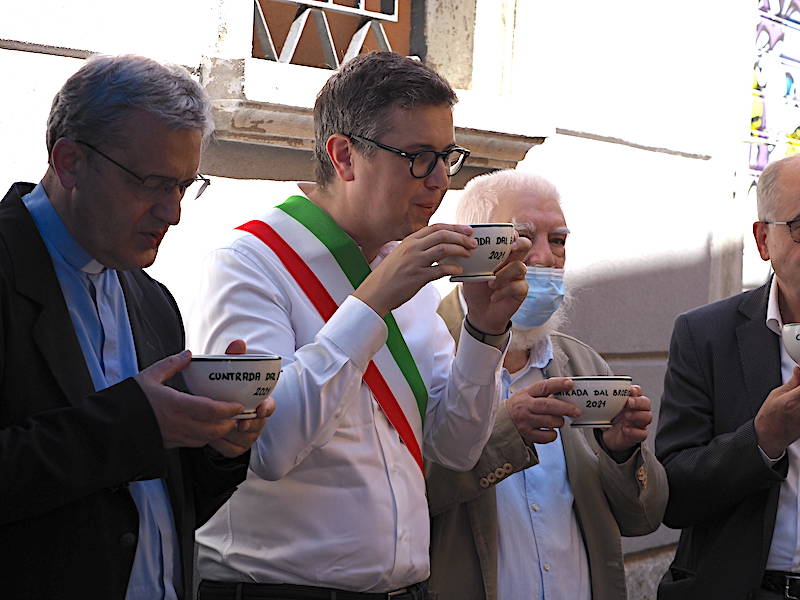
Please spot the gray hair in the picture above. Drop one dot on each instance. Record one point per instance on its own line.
(359, 96)
(768, 189)
(482, 194)
(92, 104)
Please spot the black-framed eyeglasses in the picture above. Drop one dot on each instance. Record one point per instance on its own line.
(422, 163)
(793, 225)
(157, 185)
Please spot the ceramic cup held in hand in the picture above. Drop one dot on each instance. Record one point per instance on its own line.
(600, 398)
(244, 378)
(494, 244)
(790, 334)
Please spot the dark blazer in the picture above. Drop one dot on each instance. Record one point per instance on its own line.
(68, 525)
(723, 362)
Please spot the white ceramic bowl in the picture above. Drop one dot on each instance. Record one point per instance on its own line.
(243, 378)
(494, 244)
(790, 334)
(600, 398)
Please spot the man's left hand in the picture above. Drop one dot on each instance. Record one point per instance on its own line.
(629, 427)
(239, 440)
(490, 304)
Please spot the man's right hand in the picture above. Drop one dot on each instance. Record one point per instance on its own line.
(184, 420)
(536, 413)
(409, 266)
(777, 422)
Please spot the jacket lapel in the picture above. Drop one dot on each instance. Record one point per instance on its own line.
(760, 355)
(147, 339)
(36, 279)
(147, 350)
(759, 348)
(451, 312)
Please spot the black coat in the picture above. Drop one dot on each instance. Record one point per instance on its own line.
(68, 524)
(723, 363)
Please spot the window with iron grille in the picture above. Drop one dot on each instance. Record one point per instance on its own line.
(324, 34)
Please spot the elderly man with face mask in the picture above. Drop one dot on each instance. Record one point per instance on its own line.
(542, 512)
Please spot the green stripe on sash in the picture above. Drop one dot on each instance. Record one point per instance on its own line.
(355, 267)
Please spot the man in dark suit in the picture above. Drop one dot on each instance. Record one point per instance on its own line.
(730, 421)
(105, 470)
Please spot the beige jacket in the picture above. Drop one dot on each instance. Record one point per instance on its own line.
(610, 499)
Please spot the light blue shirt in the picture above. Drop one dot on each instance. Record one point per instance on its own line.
(541, 554)
(99, 315)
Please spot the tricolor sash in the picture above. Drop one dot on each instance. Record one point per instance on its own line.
(328, 266)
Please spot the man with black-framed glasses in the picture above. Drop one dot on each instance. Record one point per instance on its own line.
(337, 281)
(107, 465)
(729, 428)
(422, 162)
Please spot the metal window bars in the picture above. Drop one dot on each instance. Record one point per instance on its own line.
(317, 9)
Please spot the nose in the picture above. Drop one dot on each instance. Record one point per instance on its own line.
(439, 178)
(540, 253)
(168, 208)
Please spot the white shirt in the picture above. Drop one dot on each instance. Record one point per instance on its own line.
(333, 498)
(784, 552)
(541, 554)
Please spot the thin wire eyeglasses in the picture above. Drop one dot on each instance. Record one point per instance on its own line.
(793, 225)
(422, 163)
(156, 185)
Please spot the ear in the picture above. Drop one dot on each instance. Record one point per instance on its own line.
(340, 151)
(66, 160)
(760, 234)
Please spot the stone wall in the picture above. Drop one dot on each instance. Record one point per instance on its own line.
(644, 570)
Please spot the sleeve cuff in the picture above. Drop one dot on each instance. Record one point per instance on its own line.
(770, 462)
(621, 457)
(355, 316)
(478, 362)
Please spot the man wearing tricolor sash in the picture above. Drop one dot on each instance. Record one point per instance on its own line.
(336, 280)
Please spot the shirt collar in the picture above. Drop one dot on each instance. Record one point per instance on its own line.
(53, 230)
(461, 301)
(541, 354)
(382, 252)
(774, 319)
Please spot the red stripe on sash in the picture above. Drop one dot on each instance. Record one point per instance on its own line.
(326, 306)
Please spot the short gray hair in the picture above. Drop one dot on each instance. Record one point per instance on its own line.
(357, 99)
(482, 194)
(768, 189)
(92, 104)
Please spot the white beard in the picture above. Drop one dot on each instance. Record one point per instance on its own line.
(525, 338)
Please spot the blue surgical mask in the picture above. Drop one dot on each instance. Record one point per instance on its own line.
(545, 295)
